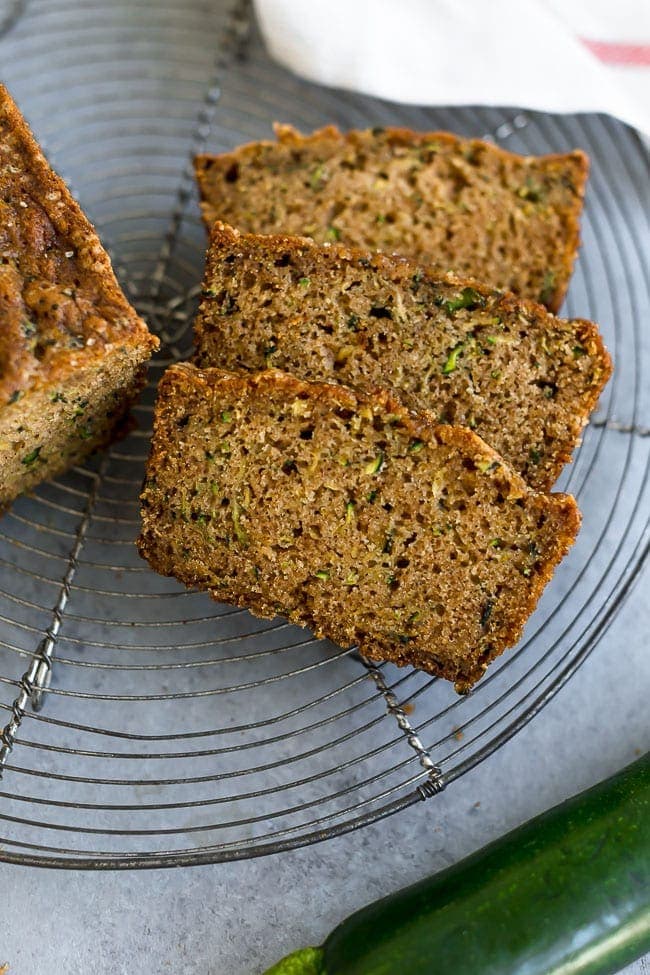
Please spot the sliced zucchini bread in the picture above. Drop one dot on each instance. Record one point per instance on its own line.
(349, 514)
(461, 205)
(523, 379)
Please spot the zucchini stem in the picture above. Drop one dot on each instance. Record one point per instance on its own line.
(305, 961)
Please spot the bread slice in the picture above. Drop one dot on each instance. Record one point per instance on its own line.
(72, 350)
(521, 378)
(460, 205)
(347, 513)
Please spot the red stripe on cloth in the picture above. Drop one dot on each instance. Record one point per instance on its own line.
(614, 53)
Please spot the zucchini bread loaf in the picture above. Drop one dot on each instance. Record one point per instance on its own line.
(523, 379)
(349, 514)
(72, 350)
(460, 205)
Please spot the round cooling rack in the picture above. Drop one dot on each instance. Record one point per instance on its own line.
(143, 725)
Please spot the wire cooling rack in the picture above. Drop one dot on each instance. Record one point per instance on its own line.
(143, 725)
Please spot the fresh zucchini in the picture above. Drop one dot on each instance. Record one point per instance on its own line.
(565, 894)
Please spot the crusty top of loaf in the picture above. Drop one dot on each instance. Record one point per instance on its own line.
(460, 204)
(60, 304)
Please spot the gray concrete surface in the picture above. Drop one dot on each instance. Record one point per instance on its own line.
(235, 919)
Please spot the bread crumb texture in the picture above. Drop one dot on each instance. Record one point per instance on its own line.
(349, 514)
(460, 205)
(507, 368)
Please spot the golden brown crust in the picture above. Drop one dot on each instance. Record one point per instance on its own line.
(216, 513)
(525, 380)
(543, 195)
(60, 302)
(72, 349)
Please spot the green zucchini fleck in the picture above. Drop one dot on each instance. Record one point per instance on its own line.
(226, 416)
(548, 287)
(469, 298)
(322, 574)
(416, 446)
(304, 282)
(375, 465)
(353, 322)
(240, 532)
(32, 457)
(349, 511)
(333, 234)
(532, 191)
(578, 351)
(452, 359)
(318, 176)
(534, 455)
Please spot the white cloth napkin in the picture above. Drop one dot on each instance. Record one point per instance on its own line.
(551, 55)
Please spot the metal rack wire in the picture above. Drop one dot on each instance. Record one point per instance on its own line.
(144, 725)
